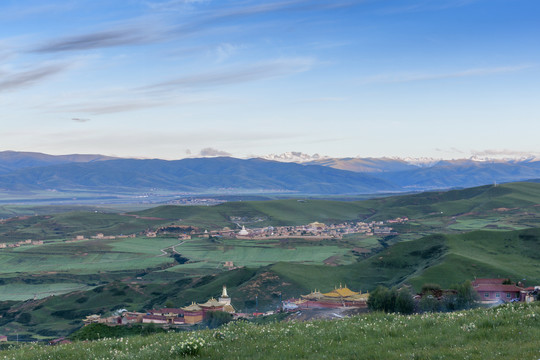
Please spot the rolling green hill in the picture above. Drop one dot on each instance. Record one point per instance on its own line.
(443, 259)
(515, 196)
(514, 200)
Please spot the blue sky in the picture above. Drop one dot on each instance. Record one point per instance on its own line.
(174, 78)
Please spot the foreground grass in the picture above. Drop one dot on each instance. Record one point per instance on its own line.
(502, 332)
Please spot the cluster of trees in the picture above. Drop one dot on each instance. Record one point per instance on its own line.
(391, 300)
(433, 299)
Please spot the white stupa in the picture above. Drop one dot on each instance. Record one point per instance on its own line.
(224, 298)
(243, 232)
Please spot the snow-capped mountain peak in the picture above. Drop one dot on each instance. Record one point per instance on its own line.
(293, 156)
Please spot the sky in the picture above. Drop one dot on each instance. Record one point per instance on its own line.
(182, 78)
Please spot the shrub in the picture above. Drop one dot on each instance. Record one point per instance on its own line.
(404, 302)
(429, 304)
(215, 319)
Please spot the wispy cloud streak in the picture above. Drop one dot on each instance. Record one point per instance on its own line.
(141, 31)
(411, 77)
(102, 39)
(242, 74)
(11, 81)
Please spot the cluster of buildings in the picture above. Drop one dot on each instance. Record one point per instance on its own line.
(101, 236)
(495, 291)
(189, 315)
(197, 201)
(313, 230)
(339, 297)
(21, 243)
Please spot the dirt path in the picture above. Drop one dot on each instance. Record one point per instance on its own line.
(172, 247)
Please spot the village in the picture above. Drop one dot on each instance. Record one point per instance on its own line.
(490, 292)
(312, 231)
(315, 230)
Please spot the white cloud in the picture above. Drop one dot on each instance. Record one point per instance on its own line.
(213, 152)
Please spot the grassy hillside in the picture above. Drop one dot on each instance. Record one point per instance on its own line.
(514, 254)
(479, 200)
(512, 206)
(60, 315)
(510, 331)
(86, 257)
(70, 224)
(442, 259)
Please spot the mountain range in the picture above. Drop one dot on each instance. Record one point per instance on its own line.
(25, 171)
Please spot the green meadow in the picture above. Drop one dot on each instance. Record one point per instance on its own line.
(86, 257)
(259, 253)
(21, 292)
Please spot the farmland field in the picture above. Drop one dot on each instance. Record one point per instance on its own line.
(87, 256)
(26, 291)
(258, 253)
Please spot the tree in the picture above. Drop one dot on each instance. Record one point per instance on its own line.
(391, 300)
(214, 319)
(467, 296)
(404, 302)
(381, 299)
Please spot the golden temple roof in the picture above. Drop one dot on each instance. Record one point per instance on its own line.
(341, 292)
(192, 307)
(212, 303)
(313, 295)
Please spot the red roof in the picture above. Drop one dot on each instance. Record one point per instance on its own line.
(154, 317)
(497, 287)
(167, 311)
